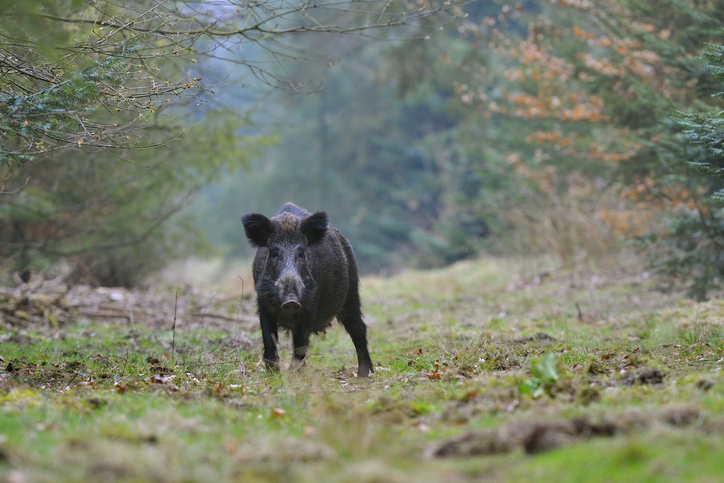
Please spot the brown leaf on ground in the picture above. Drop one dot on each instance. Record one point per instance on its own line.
(161, 379)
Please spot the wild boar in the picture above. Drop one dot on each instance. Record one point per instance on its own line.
(305, 275)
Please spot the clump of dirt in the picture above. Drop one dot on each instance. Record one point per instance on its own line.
(540, 337)
(706, 383)
(595, 368)
(588, 395)
(532, 436)
(545, 436)
(501, 358)
(565, 386)
(288, 450)
(679, 416)
(537, 436)
(643, 376)
(19, 339)
(480, 443)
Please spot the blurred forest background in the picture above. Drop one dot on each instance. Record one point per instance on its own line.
(430, 132)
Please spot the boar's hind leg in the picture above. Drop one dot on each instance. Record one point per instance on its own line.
(300, 341)
(351, 318)
(270, 337)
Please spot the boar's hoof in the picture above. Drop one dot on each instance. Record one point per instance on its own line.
(364, 371)
(297, 364)
(271, 365)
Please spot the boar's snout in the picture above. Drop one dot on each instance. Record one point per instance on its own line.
(291, 288)
(291, 305)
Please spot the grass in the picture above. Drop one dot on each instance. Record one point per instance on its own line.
(637, 395)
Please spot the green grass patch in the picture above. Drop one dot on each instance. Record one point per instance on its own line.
(479, 375)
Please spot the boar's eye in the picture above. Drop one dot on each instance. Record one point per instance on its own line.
(274, 252)
(301, 260)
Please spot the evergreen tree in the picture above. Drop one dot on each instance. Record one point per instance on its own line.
(707, 130)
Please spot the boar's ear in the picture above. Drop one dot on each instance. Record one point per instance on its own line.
(314, 227)
(257, 228)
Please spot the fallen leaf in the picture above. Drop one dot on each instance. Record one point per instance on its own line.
(161, 379)
(421, 426)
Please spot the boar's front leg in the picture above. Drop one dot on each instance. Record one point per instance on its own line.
(300, 340)
(270, 337)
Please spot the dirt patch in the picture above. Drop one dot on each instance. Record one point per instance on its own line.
(706, 383)
(545, 436)
(680, 416)
(285, 451)
(595, 368)
(643, 376)
(19, 339)
(538, 436)
(540, 337)
(480, 443)
(588, 395)
(533, 437)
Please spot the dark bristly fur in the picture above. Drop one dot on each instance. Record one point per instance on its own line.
(305, 275)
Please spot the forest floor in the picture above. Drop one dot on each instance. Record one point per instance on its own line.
(484, 371)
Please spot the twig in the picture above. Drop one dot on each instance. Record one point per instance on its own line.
(16, 321)
(214, 303)
(76, 373)
(92, 281)
(16, 190)
(580, 314)
(214, 316)
(236, 323)
(700, 360)
(103, 314)
(173, 327)
(208, 363)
